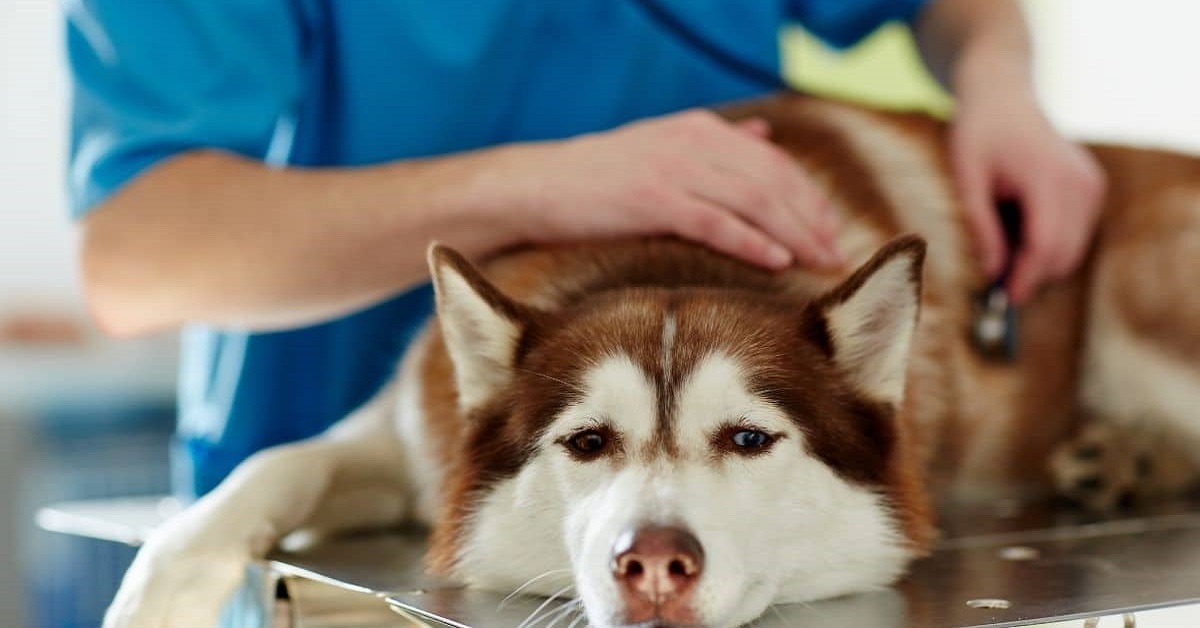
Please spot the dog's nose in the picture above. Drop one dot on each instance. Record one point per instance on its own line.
(657, 567)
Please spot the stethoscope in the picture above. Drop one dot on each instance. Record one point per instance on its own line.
(994, 325)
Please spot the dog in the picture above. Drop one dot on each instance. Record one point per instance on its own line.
(683, 440)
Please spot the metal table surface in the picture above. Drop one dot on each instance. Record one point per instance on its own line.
(1004, 566)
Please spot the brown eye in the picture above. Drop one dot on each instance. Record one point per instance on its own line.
(751, 440)
(588, 442)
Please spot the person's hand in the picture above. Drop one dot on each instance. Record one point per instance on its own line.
(692, 174)
(1004, 147)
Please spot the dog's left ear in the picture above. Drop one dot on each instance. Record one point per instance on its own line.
(866, 324)
(480, 326)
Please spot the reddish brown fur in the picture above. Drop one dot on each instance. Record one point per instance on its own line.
(976, 430)
(1156, 284)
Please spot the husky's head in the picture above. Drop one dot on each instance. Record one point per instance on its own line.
(683, 457)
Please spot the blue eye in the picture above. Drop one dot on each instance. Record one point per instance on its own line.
(751, 439)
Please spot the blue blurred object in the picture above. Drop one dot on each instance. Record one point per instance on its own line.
(86, 449)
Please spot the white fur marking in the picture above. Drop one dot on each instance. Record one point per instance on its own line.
(668, 346)
(714, 394)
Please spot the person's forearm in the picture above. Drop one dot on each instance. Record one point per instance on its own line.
(211, 237)
(974, 46)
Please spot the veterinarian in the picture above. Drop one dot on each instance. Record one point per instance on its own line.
(265, 174)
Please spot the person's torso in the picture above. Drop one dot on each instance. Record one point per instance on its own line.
(388, 79)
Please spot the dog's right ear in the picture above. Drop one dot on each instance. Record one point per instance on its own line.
(480, 326)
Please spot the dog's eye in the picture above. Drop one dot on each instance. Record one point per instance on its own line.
(745, 440)
(587, 443)
(751, 439)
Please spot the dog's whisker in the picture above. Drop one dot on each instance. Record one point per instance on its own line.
(582, 617)
(573, 387)
(528, 583)
(775, 609)
(554, 614)
(530, 620)
(550, 614)
(565, 611)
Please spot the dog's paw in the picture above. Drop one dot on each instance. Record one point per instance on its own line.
(177, 582)
(1108, 467)
(183, 591)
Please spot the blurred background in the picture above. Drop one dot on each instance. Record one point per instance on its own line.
(82, 416)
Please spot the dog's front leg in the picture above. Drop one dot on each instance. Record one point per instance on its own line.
(189, 567)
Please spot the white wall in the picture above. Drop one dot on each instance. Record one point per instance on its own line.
(1120, 70)
(37, 274)
(37, 240)
(36, 244)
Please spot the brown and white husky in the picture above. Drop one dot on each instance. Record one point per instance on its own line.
(688, 440)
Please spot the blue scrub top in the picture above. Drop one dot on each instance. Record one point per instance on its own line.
(346, 82)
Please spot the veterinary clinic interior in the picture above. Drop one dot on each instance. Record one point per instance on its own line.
(685, 369)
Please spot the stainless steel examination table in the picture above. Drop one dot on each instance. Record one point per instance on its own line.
(1004, 566)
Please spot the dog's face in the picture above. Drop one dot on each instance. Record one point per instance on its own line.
(682, 457)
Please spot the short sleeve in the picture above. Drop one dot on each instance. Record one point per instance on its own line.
(842, 23)
(153, 79)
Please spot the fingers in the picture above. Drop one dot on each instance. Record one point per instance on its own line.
(1041, 242)
(766, 188)
(801, 229)
(709, 223)
(756, 127)
(1082, 192)
(1060, 213)
(1005, 145)
(725, 185)
(982, 221)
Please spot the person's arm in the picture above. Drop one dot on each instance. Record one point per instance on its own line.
(211, 237)
(966, 40)
(1003, 145)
